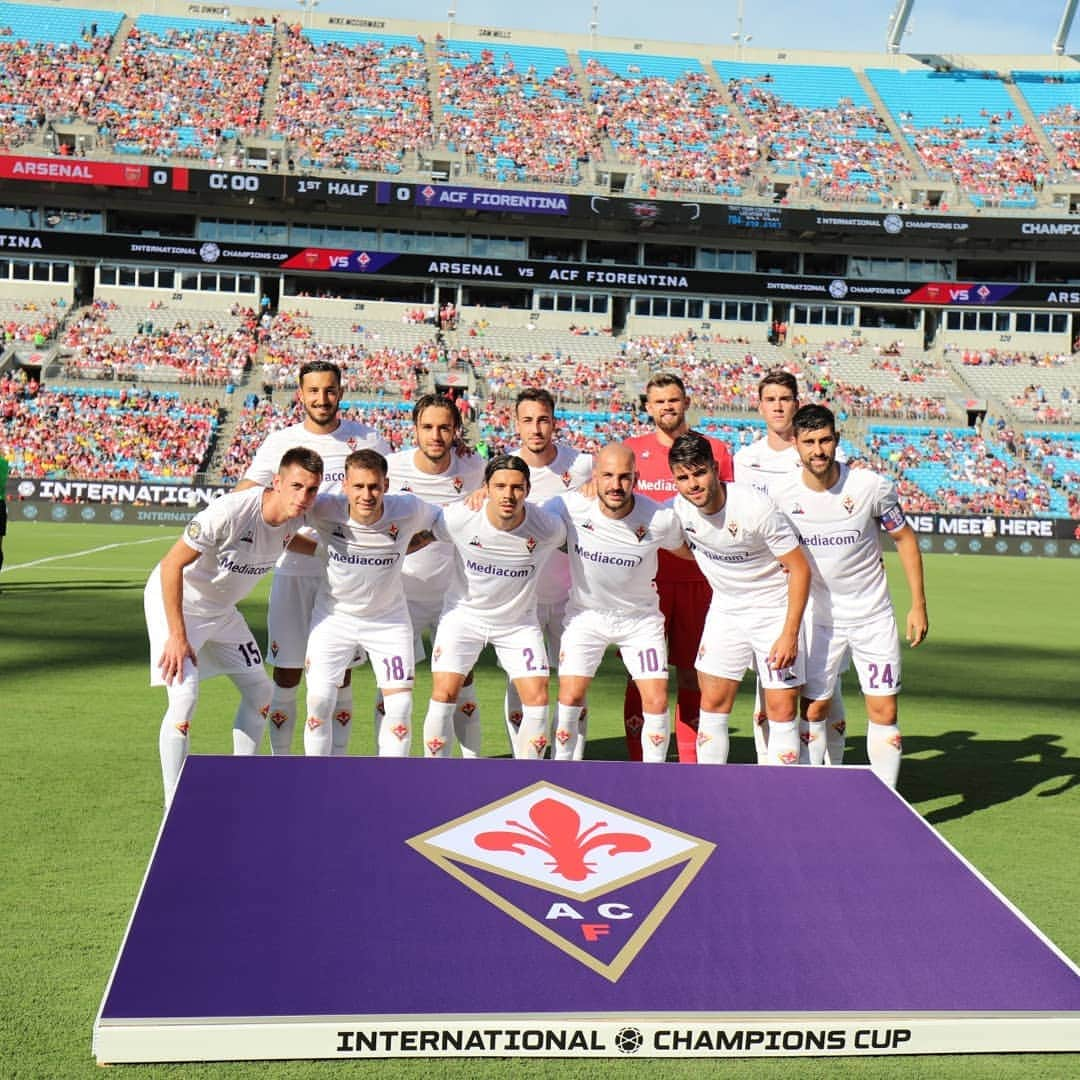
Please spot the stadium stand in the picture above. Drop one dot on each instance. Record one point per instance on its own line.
(1054, 97)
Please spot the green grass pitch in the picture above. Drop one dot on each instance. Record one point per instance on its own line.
(991, 723)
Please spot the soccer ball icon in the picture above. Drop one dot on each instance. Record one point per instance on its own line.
(628, 1040)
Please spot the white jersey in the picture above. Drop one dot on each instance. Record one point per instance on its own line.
(236, 547)
(498, 567)
(568, 470)
(465, 475)
(613, 560)
(737, 548)
(840, 535)
(334, 448)
(762, 467)
(363, 572)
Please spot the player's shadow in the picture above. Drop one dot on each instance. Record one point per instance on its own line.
(981, 773)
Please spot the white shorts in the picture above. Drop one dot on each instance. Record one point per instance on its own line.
(387, 639)
(288, 618)
(223, 644)
(731, 643)
(587, 634)
(461, 638)
(874, 647)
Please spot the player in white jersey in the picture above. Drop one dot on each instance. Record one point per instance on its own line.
(501, 548)
(297, 578)
(553, 469)
(190, 600)
(839, 513)
(760, 580)
(612, 542)
(764, 463)
(440, 471)
(361, 603)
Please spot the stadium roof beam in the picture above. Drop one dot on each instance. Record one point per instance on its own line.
(898, 21)
(1062, 34)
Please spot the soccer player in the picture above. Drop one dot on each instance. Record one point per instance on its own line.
(190, 601)
(501, 548)
(361, 603)
(760, 580)
(440, 471)
(764, 463)
(296, 577)
(553, 469)
(613, 541)
(684, 592)
(839, 513)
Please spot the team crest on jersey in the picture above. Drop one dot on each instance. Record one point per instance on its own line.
(531, 544)
(459, 483)
(393, 531)
(641, 531)
(733, 528)
(353, 443)
(848, 504)
(567, 479)
(565, 867)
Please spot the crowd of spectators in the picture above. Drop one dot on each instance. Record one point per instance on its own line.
(1007, 358)
(680, 133)
(1062, 126)
(352, 104)
(840, 154)
(130, 435)
(514, 124)
(29, 324)
(181, 92)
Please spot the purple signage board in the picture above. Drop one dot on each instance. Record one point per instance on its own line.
(356, 907)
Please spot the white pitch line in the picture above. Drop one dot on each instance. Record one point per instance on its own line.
(79, 554)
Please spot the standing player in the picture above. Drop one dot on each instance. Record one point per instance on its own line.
(501, 548)
(361, 604)
(190, 600)
(553, 469)
(439, 471)
(296, 577)
(839, 513)
(760, 582)
(684, 592)
(763, 464)
(612, 541)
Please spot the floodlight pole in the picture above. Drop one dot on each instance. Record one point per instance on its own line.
(1062, 35)
(898, 21)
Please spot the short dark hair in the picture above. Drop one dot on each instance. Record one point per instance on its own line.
(307, 459)
(436, 401)
(316, 367)
(537, 394)
(690, 451)
(506, 461)
(662, 379)
(367, 459)
(813, 418)
(779, 377)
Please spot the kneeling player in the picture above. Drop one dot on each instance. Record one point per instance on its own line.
(500, 549)
(361, 602)
(760, 581)
(839, 513)
(190, 601)
(613, 541)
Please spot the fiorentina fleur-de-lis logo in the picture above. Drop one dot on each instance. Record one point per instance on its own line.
(392, 532)
(567, 479)
(640, 532)
(733, 527)
(459, 483)
(551, 859)
(557, 833)
(531, 544)
(848, 504)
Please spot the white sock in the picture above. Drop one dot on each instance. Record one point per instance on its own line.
(812, 742)
(342, 726)
(883, 747)
(173, 736)
(655, 736)
(582, 734)
(512, 715)
(836, 731)
(378, 714)
(713, 740)
(249, 724)
(318, 731)
(532, 742)
(438, 729)
(784, 742)
(567, 731)
(395, 737)
(467, 721)
(282, 719)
